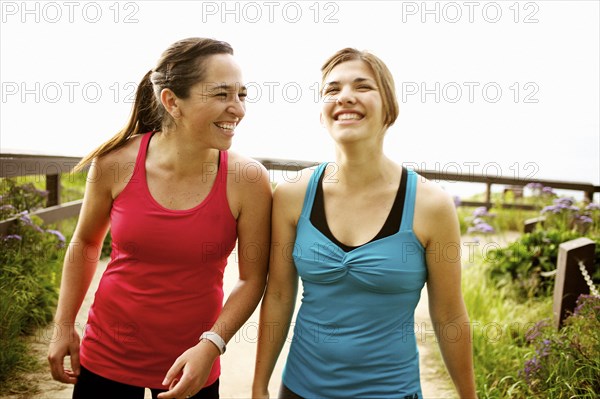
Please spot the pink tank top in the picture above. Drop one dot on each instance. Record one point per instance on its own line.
(163, 285)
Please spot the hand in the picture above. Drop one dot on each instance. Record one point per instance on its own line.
(196, 364)
(65, 342)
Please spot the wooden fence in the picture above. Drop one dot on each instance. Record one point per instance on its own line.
(569, 281)
(15, 165)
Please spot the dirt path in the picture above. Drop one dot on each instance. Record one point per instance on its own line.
(238, 363)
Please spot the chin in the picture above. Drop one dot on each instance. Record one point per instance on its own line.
(224, 146)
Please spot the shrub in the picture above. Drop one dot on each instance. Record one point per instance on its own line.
(566, 363)
(30, 266)
(529, 263)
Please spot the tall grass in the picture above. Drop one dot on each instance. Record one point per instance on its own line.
(499, 325)
(30, 270)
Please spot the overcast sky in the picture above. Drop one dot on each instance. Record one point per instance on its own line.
(503, 87)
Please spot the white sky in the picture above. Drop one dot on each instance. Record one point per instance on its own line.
(68, 67)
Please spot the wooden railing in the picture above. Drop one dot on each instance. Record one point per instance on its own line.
(15, 165)
(569, 282)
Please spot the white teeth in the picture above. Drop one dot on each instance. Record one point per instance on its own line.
(348, 116)
(226, 126)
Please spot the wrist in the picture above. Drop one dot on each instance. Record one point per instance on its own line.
(214, 339)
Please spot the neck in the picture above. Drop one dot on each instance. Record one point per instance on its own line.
(360, 165)
(183, 156)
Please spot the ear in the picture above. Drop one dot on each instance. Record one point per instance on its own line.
(169, 101)
(321, 119)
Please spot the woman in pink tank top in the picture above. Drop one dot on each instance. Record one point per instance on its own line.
(177, 202)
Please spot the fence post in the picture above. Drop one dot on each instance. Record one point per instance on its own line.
(531, 224)
(569, 282)
(488, 195)
(53, 188)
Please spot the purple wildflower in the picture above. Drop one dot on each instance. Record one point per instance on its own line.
(481, 228)
(592, 207)
(481, 211)
(545, 349)
(532, 367)
(13, 237)
(28, 222)
(534, 186)
(456, 200)
(585, 219)
(586, 301)
(551, 209)
(547, 190)
(535, 331)
(564, 201)
(59, 235)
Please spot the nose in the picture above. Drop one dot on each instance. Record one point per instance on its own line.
(237, 108)
(345, 96)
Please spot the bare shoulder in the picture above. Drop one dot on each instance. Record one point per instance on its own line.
(245, 170)
(434, 210)
(113, 171)
(432, 198)
(119, 162)
(288, 197)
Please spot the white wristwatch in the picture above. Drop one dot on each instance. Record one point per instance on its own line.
(215, 339)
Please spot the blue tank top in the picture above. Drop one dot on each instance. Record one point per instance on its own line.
(354, 335)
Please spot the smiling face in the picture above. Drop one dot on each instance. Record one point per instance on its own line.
(214, 106)
(352, 108)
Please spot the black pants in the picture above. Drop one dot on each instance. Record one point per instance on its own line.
(92, 386)
(286, 393)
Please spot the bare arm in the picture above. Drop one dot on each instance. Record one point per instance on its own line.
(80, 263)
(446, 305)
(280, 297)
(253, 227)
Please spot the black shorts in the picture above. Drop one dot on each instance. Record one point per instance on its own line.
(92, 386)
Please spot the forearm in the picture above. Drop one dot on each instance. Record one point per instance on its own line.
(274, 325)
(454, 338)
(79, 267)
(239, 306)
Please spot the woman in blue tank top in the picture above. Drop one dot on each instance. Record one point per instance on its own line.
(364, 235)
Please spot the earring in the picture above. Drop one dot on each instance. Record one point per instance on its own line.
(176, 114)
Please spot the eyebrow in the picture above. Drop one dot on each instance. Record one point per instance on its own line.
(226, 87)
(357, 80)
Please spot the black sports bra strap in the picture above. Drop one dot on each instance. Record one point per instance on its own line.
(389, 228)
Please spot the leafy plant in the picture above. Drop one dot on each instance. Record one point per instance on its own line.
(566, 363)
(30, 266)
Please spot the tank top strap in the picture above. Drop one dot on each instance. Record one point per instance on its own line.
(139, 169)
(222, 172)
(309, 197)
(409, 201)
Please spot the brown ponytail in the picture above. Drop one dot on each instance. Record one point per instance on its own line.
(179, 68)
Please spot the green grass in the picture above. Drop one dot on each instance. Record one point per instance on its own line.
(498, 327)
(72, 184)
(30, 272)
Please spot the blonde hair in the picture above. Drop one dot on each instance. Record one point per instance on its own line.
(383, 78)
